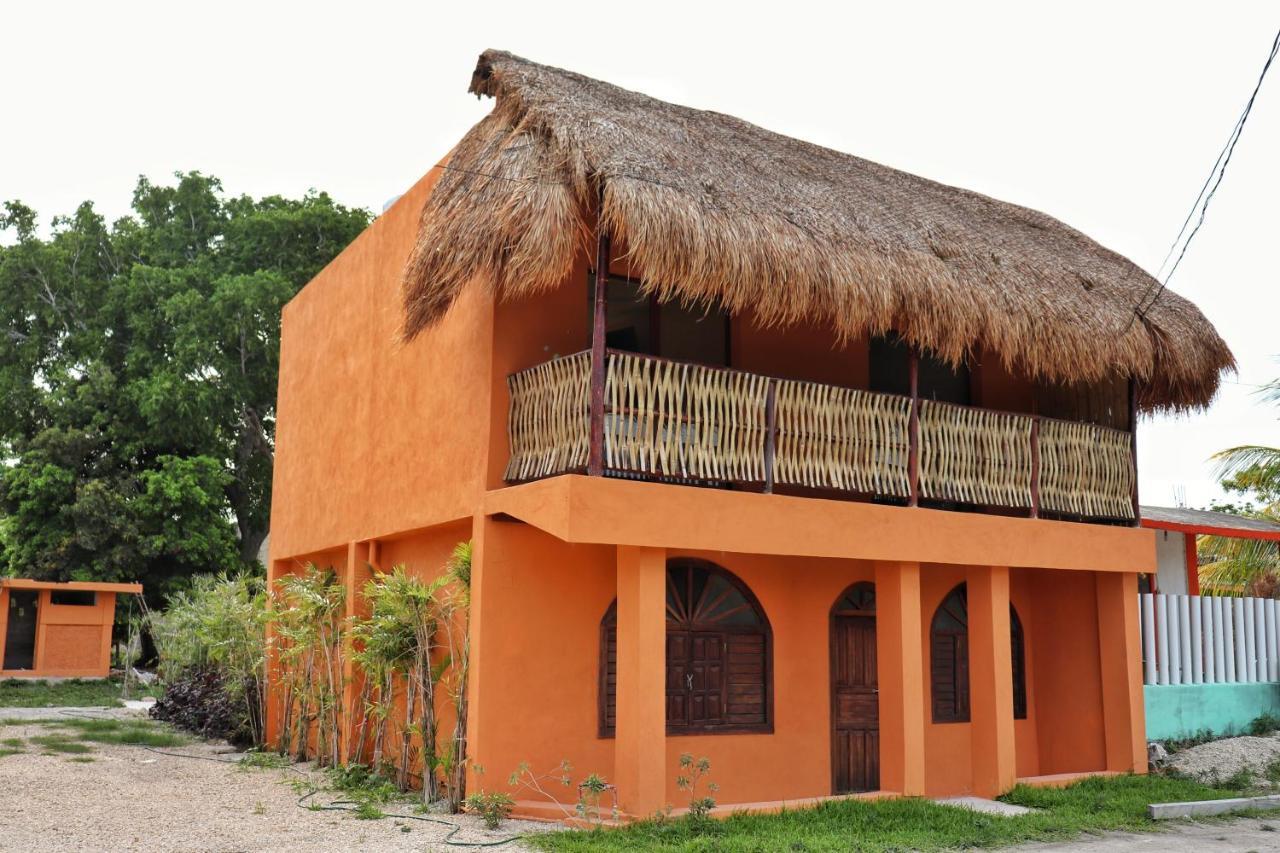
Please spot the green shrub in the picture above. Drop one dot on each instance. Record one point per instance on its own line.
(1264, 724)
(691, 775)
(219, 623)
(493, 806)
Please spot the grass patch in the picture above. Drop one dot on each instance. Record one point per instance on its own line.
(6, 751)
(133, 732)
(12, 742)
(81, 759)
(71, 693)
(1092, 805)
(61, 743)
(74, 734)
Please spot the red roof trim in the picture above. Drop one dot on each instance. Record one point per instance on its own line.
(1212, 530)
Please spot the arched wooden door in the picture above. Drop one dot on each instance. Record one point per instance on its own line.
(855, 700)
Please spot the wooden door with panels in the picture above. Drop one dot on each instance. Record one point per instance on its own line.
(855, 694)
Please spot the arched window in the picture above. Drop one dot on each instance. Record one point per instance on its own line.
(949, 660)
(858, 600)
(719, 655)
(1019, 649)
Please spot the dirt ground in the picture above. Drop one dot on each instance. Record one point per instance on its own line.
(130, 798)
(1230, 836)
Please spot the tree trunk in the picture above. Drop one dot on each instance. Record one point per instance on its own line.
(244, 499)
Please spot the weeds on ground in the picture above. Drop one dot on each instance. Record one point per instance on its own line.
(1242, 780)
(6, 751)
(71, 693)
(254, 759)
(11, 742)
(1264, 724)
(81, 759)
(123, 732)
(1202, 736)
(368, 790)
(60, 743)
(357, 780)
(73, 735)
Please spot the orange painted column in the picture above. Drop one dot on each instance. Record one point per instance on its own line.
(993, 759)
(106, 602)
(359, 556)
(480, 716)
(900, 673)
(640, 741)
(1123, 714)
(42, 630)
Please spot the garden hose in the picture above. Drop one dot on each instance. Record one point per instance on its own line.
(350, 805)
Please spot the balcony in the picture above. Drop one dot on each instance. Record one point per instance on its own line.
(669, 421)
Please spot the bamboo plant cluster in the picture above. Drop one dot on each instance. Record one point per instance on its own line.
(407, 657)
(219, 622)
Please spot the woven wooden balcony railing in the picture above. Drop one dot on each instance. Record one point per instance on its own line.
(680, 422)
(839, 438)
(686, 421)
(549, 420)
(1086, 470)
(975, 456)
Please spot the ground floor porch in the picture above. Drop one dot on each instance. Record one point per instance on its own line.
(799, 677)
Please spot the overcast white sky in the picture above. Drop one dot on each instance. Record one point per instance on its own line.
(1106, 115)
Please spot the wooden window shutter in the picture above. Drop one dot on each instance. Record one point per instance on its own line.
(949, 658)
(719, 671)
(1018, 649)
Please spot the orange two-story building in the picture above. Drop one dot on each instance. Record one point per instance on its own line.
(768, 453)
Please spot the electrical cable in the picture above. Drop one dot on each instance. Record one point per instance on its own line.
(1211, 184)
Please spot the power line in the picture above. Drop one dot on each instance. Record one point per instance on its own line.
(1207, 191)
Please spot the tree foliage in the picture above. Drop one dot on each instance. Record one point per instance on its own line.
(138, 365)
(1250, 473)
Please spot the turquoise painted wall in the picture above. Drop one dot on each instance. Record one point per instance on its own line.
(1182, 710)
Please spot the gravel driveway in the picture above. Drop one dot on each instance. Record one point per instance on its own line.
(1229, 836)
(129, 798)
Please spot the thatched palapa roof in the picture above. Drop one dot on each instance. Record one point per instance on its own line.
(712, 208)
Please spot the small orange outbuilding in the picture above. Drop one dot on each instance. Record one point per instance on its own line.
(57, 629)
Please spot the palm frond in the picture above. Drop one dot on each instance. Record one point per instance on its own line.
(1265, 461)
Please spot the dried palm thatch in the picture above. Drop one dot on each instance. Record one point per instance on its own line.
(713, 209)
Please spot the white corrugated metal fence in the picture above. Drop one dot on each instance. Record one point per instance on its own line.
(1195, 639)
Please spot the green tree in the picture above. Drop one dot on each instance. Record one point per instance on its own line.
(1250, 473)
(138, 366)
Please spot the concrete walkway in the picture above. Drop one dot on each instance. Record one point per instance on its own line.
(1238, 835)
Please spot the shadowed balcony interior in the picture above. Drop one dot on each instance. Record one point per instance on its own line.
(672, 411)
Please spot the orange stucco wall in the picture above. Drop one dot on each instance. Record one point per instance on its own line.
(376, 437)
(71, 640)
(526, 573)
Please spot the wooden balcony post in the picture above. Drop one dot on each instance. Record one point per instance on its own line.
(913, 455)
(770, 433)
(1133, 448)
(1035, 466)
(595, 459)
